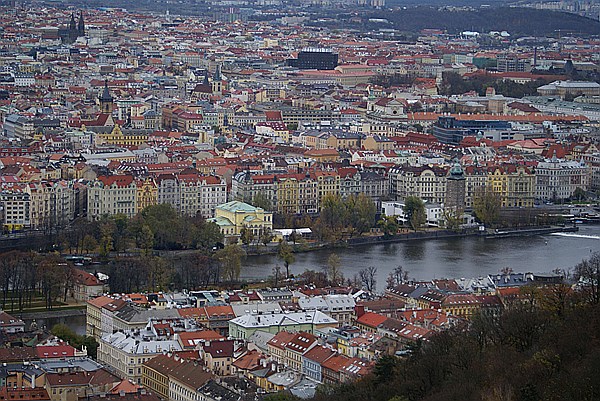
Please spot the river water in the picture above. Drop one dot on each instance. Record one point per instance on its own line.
(76, 323)
(428, 259)
(446, 258)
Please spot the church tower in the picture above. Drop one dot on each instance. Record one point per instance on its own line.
(81, 25)
(217, 81)
(106, 100)
(72, 24)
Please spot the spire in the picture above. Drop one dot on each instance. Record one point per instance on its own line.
(205, 81)
(81, 25)
(217, 76)
(106, 100)
(106, 96)
(72, 24)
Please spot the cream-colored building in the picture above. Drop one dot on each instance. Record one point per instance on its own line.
(112, 195)
(233, 216)
(125, 352)
(52, 203)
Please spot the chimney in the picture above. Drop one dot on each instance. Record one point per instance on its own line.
(360, 310)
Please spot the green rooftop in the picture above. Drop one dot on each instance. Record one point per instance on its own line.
(238, 207)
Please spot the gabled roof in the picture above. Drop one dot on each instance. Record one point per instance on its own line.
(371, 319)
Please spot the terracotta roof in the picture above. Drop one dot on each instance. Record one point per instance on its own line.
(371, 319)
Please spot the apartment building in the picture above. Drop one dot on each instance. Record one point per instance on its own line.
(110, 195)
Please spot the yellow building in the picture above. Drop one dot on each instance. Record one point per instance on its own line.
(287, 194)
(117, 137)
(147, 194)
(233, 216)
(328, 183)
(515, 185)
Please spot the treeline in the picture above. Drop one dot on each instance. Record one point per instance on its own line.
(30, 280)
(543, 347)
(454, 84)
(517, 21)
(344, 217)
(157, 227)
(65, 333)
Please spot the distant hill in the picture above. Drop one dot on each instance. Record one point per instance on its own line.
(517, 21)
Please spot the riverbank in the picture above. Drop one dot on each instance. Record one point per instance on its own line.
(53, 314)
(412, 236)
(532, 231)
(452, 256)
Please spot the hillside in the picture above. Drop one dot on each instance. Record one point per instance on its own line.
(550, 352)
(517, 21)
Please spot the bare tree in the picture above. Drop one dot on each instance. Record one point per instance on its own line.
(587, 272)
(397, 276)
(276, 275)
(368, 278)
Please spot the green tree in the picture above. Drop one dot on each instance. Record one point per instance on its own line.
(66, 334)
(246, 235)
(266, 236)
(146, 239)
(361, 211)
(389, 225)
(333, 270)
(452, 218)
(486, 206)
(334, 216)
(261, 200)
(579, 194)
(120, 232)
(230, 259)
(293, 236)
(107, 230)
(208, 234)
(414, 211)
(286, 254)
(165, 224)
(89, 243)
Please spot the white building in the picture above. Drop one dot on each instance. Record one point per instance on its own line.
(434, 212)
(339, 306)
(558, 178)
(125, 352)
(112, 195)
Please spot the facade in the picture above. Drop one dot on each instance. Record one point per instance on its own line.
(315, 59)
(16, 209)
(512, 63)
(338, 306)
(570, 88)
(424, 182)
(110, 195)
(52, 204)
(313, 359)
(126, 352)
(244, 326)
(451, 131)
(233, 216)
(93, 314)
(558, 179)
(86, 286)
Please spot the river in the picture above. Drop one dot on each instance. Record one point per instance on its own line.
(76, 323)
(428, 259)
(446, 258)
